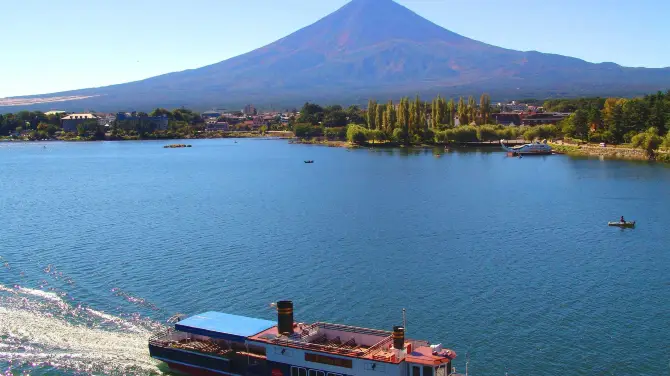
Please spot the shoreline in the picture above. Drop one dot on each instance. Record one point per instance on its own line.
(207, 137)
(584, 150)
(610, 152)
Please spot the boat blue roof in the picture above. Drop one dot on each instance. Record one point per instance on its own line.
(223, 325)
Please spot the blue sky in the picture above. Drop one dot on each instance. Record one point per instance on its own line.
(51, 46)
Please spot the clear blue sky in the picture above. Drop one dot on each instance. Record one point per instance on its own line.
(50, 46)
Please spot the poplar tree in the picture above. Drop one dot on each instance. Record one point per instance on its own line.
(379, 116)
(389, 117)
(405, 113)
(472, 109)
(485, 108)
(402, 119)
(371, 113)
(451, 111)
(423, 122)
(440, 112)
(412, 118)
(462, 112)
(419, 115)
(434, 120)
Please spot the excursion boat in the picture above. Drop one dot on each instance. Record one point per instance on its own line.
(214, 343)
(534, 148)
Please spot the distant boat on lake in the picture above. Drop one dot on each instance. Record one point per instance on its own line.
(622, 224)
(533, 148)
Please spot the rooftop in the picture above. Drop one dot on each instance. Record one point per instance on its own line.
(352, 341)
(79, 116)
(223, 326)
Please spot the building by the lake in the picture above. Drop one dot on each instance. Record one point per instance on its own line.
(133, 121)
(70, 122)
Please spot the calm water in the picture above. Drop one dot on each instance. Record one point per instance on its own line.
(509, 260)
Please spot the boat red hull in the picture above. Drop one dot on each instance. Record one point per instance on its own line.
(194, 371)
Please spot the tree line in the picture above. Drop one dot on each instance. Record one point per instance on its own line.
(615, 120)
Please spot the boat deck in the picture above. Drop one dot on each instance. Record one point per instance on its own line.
(182, 341)
(352, 341)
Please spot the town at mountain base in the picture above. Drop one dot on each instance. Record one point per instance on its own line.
(368, 48)
(638, 127)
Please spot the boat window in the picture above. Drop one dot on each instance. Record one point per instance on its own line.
(416, 371)
(427, 371)
(302, 372)
(294, 371)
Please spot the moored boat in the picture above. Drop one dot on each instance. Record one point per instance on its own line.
(533, 148)
(215, 343)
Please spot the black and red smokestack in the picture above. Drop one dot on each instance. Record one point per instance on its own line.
(398, 337)
(285, 317)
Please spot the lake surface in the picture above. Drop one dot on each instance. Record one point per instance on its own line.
(509, 260)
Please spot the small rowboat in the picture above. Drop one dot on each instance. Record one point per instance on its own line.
(621, 224)
(309, 161)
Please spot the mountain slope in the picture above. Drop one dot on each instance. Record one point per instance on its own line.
(380, 48)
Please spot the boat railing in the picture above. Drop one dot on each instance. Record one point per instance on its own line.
(416, 343)
(289, 342)
(309, 331)
(379, 346)
(304, 339)
(161, 338)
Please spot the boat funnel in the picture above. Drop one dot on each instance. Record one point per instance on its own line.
(285, 317)
(398, 337)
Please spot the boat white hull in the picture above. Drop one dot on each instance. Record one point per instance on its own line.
(528, 149)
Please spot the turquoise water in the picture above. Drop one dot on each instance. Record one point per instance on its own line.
(509, 260)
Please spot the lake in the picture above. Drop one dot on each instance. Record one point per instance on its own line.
(508, 260)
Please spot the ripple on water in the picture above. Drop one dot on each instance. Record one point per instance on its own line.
(503, 258)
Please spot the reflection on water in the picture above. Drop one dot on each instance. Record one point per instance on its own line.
(508, 259)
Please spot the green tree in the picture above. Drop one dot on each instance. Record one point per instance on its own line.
(162, 112)
(417, 117)
(635, 115)
(379, 116)
(485, 108)
(400, 135)
(649, 141)
(580, 121)
(462, 112)
(666, 141)
(371, 113)
(442, 118)
(389, 118)
(303, 130)
(336, 118)
(658, 116)
(404, 115)
(354, 115)
(451, 111)
(311, 113)
(356, 134)
(595, 118)
(472, 109)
